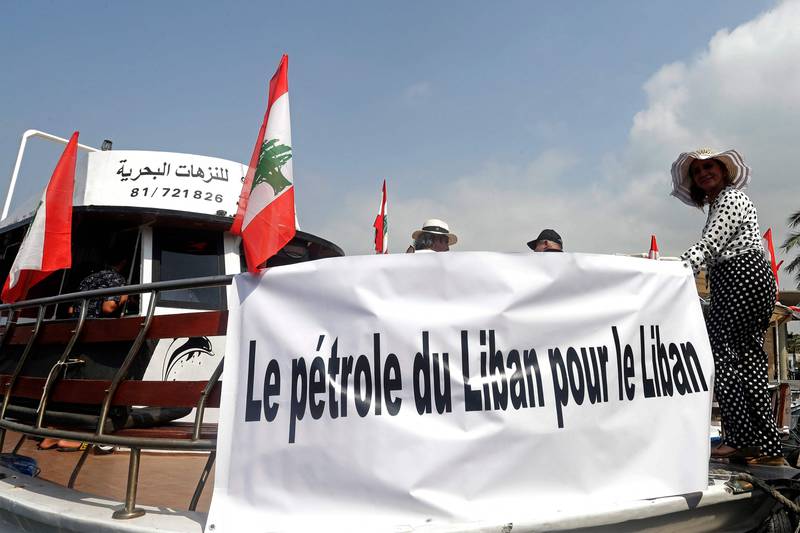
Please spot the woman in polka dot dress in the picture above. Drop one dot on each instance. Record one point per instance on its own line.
(742, 299)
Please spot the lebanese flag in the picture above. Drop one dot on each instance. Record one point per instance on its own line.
(47, 247)
(772, 258)
(265, 217)
(381, 226)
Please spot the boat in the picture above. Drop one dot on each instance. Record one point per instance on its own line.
(148, 381)
(170, 228)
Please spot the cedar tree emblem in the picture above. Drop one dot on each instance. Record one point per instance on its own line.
(272, 157)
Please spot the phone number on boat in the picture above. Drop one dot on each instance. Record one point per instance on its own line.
(171, 192)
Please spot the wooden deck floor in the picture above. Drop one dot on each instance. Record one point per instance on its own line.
(165, 479)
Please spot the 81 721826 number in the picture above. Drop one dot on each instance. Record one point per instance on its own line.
(169, 192)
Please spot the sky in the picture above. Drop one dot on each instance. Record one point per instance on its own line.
(501, 119)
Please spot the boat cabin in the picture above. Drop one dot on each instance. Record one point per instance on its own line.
(152, 217)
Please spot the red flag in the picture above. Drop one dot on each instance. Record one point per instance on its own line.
(47, 247)
(381, 226)
(653, 253)
(772, 259)
(265, 217)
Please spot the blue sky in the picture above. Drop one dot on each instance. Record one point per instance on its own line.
(529, 104)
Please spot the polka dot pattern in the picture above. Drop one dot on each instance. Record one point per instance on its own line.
(742, 299)
(731, 230)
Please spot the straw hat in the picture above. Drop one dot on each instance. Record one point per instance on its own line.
(738, 172)
(436, 227)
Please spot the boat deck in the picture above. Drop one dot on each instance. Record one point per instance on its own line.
(165, 479)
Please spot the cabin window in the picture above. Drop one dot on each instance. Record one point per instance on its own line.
(97, 244)
(183, 254)
(103, 245)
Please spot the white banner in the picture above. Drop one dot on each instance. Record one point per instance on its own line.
(162, 180)
(386, 393)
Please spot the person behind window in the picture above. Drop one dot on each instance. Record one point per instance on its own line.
(434, 236)
(109, 276)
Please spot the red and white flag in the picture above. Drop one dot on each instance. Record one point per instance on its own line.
(47, 247)
(265, 217)
(653, 253)
(381, 226)
(772, 258)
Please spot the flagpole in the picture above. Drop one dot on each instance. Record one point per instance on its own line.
(381, 225)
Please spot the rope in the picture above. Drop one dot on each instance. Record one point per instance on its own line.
(786, 502)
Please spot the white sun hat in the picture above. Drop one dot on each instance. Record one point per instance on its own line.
(738, 172)
(436, 227)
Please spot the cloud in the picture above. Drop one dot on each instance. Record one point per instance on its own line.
(495, 208)
(741, 91)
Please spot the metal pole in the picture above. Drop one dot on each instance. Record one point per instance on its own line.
(201, 404)
(21, 362)
(130, 510)
(60, 288)
(75, 471)
(122, 372)
(58, 365)
(19, 443)
(201, 483)
(25, 136)
(13, 183)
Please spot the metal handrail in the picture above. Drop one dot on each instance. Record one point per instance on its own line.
(122, 372)
(52, 376)
(15, 172)
(10, 323)
(201, 483)
(201, 403)
(136, 444)
(18, 369)
(160, 286)
(22, 358)
(154, 443)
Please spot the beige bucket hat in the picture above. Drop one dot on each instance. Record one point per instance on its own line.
(681, 182)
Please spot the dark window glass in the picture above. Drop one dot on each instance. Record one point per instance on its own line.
(184, 254)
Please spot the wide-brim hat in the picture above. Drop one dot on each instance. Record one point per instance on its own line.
(738, 172)
(436, 227)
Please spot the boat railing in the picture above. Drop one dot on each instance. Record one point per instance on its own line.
(17, 164)
(119, 390)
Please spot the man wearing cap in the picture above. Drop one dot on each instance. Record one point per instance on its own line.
(547, 241)
(434, 236)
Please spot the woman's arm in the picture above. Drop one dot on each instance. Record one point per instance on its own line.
(724, 219)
